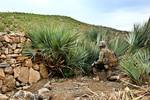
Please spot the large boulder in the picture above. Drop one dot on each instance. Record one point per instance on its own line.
(8, 83)
(34, 76)
(24, 74)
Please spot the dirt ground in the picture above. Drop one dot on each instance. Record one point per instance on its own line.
(84, 88)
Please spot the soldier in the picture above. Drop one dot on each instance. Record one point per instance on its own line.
(107, 60)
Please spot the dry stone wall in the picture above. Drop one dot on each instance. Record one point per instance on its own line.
(16, 70)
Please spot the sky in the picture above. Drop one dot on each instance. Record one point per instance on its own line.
(119, 14)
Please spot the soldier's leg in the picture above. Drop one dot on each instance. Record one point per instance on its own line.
(108, 71)
(96, 73)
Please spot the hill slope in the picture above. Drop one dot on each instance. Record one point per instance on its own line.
(23, 22)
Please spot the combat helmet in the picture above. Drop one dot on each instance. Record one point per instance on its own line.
(102, 44)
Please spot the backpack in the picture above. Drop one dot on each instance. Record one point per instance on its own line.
(110, 58)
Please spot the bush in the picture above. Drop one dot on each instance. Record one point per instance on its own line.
(137, 66)
(58, 49)
(140, 37)
(118, 45)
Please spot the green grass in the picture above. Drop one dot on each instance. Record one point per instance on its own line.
(24, 22)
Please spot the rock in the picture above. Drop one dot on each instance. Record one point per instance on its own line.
(34, 76)
(25, 95)
(17, 50)
(6, 51)
(10, 94)
(12, 55)
(48, 85)
(19, 95)
(9, 45)
(3, 49)
(3, 97)
(28, 63)
(9, 70)
(114, 78)
(43, 90)
(3, 65)
(24, 74)
(17, 84)
(7, 39)
(43, 71)
(19, 45)
(15, 39)
(22, 39)
(3, 56)
(1, 83)
(21, 58)
(14, 46)
(4, 89)
(16, 72)
(26, 87)
(9, 82)
(2, 74)
(13, 65)
(12, 61)
(44, 93)
(36, 67)
(10, 51)
(1, 44)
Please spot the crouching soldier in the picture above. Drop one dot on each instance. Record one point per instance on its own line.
(107, 60)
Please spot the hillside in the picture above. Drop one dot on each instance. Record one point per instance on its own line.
(23, 22)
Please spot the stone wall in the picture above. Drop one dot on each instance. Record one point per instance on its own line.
(16, 70)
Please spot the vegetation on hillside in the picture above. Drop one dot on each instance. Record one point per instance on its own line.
(24, 22)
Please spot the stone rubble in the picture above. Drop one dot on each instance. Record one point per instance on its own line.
(16, 70)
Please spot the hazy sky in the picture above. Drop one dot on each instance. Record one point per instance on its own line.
(120, 14)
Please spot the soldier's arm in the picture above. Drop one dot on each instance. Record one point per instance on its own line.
(101, 56)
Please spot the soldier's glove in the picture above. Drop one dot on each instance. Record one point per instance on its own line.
(106, 66)
(93, 64)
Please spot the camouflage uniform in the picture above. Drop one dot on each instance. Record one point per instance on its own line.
(107, 60)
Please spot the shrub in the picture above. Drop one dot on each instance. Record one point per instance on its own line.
(137, 66)
(118, 45)
(140, 37)
(58, 50)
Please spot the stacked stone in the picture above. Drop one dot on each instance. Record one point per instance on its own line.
(17, 70)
